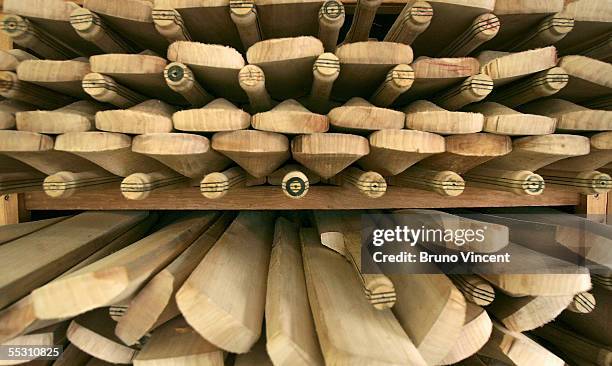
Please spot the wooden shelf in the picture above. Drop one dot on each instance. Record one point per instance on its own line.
(272, 198)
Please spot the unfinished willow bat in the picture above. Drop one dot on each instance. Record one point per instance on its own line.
(218, 115)
(365, 10)
(113, 152)
(443, 182)
(413, 20)
(177, 342)
(394, 151)
(329, 153)
(474, 335)
(294, 179)
(290, 330)
(19, 318)
(290, 117)
(72, 355)
(181, 79)
(359, 116)
(143, 73)
(8, 111)
(588, 78)
(376, 339)
(596, 324)
(92, 333)
(17, 176)
(89, 26)
(287, 64)
(475, 289)
(502, 120)
(147, 117)
(331, 19)
(245, 17)
(325, 71)
(425, 116)
(76, 117)
(540, 85)
(506, 67)
(257, 152)
(341, 232)
(471, 90)
(132, 266)
(216, 67)
(10, 59)
(187, 154)
(104, 89)
(582, 303)
(520, 314)
(589, 18)
(369, 183)
(100, 229)
(13, 88)
(155, 304)
(365, 65)
(15, 231)
(53, 335)
(570, 117)
(434, 75)
(456, 25)
(132, 19)
(232, 323)
(288, 18)
(253, 81)
(217, 184)
(64, 77)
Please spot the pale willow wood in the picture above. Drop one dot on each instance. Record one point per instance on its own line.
(257, 356)
(218, 115)
(142, 73)
(289, 18)
(341, 232)
(571, 117)
(434, 319)
(582, 303)
(181, 79)
(398, 80)
(151, 116)
(517, 349)
(325, 72)
(65, 183)
(18, 177)
(588, 78)
(290, 117)
(474, 334)
(54, 335)
(365, 10)
(253, 81)
(290, 330)
(393, 151)
(169, 23)
(410, 23)
(257, 152)
(72, 355)
(434, 75)
(25, 34)
(521, 314)
(105, 89)
(8, 111)
(584, 182)
(51, 252)
(501, 120)
(217, 184)
(359, 116)
(75, 117)
(61, 76)
(426, 116)
(327, 154)
(10, 59)
(294, 179)
(543, 275)
(118, 276)
(331, 19)
(92, 333)
(19, 318)
(132, 19)
(350, 330)
(518, 18)
(287, 64)
(369, 183)
(442, 182)
(575, 344)
(216, 67)
(601, 49)
(244, 15)
(364, 66)
(542, 84)
(591, 20)
(475, 289)
(13, 88)
(452, 20)
(176, 343)
(596, 324)
(15, 231)
(53, 17)
(223, 299)
(471, 90)
(505, 67)
(484, 28)
(549, 31)
(187, 154)
(600, 155)
(155, 303)
(89, 26)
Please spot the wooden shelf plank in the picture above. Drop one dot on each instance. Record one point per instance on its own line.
(319, 197)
